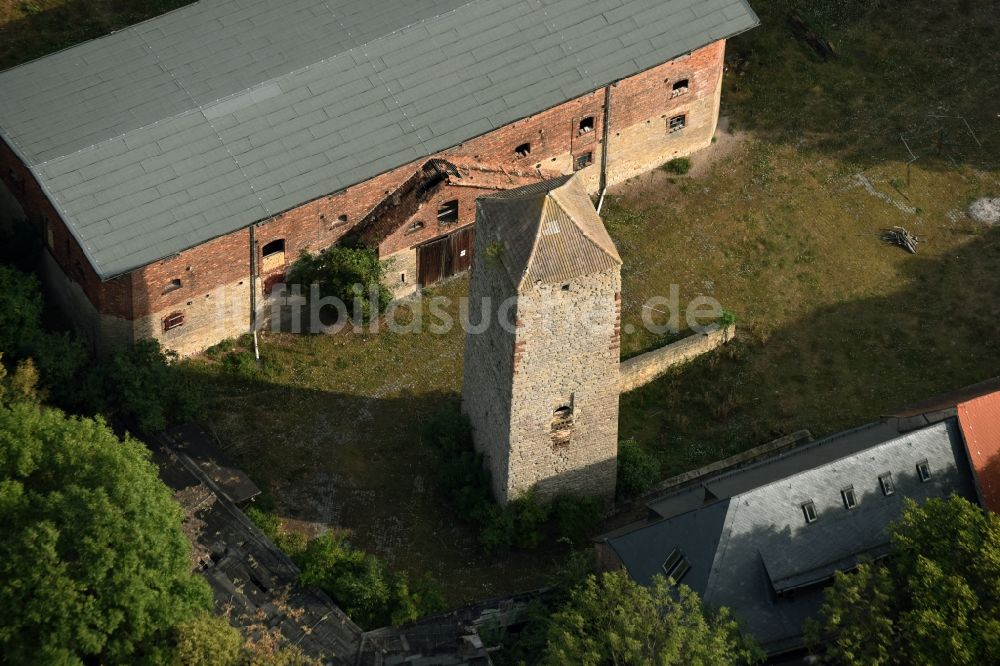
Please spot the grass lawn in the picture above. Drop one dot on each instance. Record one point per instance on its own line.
(835, 327)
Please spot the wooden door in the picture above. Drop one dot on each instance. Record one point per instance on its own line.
(461, 249)
(430, 261)
(445, 257)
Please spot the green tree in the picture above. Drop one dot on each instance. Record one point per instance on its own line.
(94, 565)
(611, 619)
(350, 274)
(208, 640)
(934, 600)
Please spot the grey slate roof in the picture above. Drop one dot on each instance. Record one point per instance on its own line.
(550, 232)
(189, 126)
(749, 547)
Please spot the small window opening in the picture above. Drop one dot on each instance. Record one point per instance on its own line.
(583, 161)
(586, 125)
(173, 285)
(562, 418)
(924, 471)
(809, 511)
(448, 212)
(523, 150)
(679, 88)
(565, 287)
(273, 247)
(677, 123)
(850, 499)
(342, 219)
(402, 278)
(416, 226)
(885, 481)
(675, 566)
(173, 320)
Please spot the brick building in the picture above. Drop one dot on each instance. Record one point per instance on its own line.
(174, 169)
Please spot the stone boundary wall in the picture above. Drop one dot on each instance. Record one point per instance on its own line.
(640, 370)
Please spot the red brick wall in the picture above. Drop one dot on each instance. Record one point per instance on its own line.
(111, 297)
(553, 134)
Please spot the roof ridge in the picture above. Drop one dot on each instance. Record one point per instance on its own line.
(583, 230)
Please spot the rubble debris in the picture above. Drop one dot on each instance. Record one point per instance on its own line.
(903, 238)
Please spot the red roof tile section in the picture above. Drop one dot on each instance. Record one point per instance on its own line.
(980, 422)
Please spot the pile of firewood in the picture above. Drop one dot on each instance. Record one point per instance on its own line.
(903, 238)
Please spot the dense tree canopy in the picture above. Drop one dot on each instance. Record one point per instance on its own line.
(93, 562)
(611, 619)
(933, 601)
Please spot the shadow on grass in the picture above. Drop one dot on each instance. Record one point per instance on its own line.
(840, 366)
(915, 71)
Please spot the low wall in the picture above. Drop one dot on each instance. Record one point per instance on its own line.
(640, 370)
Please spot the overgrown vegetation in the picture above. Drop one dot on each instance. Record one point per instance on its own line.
(934, 600)
(678, 165)
(354, 275)
(638, 471)
(610, 619)
(523, 522)
(139, 384)
(370, 593)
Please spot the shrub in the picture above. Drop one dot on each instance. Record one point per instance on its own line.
(143, 386)
(369, 593)
(575, 516)
(678, 165)
(352, 275)
(637, 469)
(208, 639)
(241, 364)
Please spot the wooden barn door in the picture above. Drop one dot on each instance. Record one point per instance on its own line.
(430, 260)
(445, 257)
(461, 249)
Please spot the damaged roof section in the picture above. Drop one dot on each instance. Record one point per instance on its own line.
(402, 204)
(255, 585)
(192, 125)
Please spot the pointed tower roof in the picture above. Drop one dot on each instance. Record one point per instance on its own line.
(550, 232)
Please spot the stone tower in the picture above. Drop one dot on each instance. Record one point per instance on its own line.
(541, 379)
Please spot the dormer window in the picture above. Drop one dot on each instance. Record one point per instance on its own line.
(809, 511)
(850, 499)
(675, 566)
(523, 150)
(586, 126)
(679, 88)
(173, 285)
(885, 481)
(924, 471)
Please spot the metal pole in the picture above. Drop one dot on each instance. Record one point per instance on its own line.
(253, 290)
(605, 137)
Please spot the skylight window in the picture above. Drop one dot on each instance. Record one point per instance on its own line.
(675, 566)
(924, 471)
(809, 511)
(885, 481)
(850, 499)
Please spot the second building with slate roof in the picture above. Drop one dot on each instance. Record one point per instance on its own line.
(764, 540)
(174, 169)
